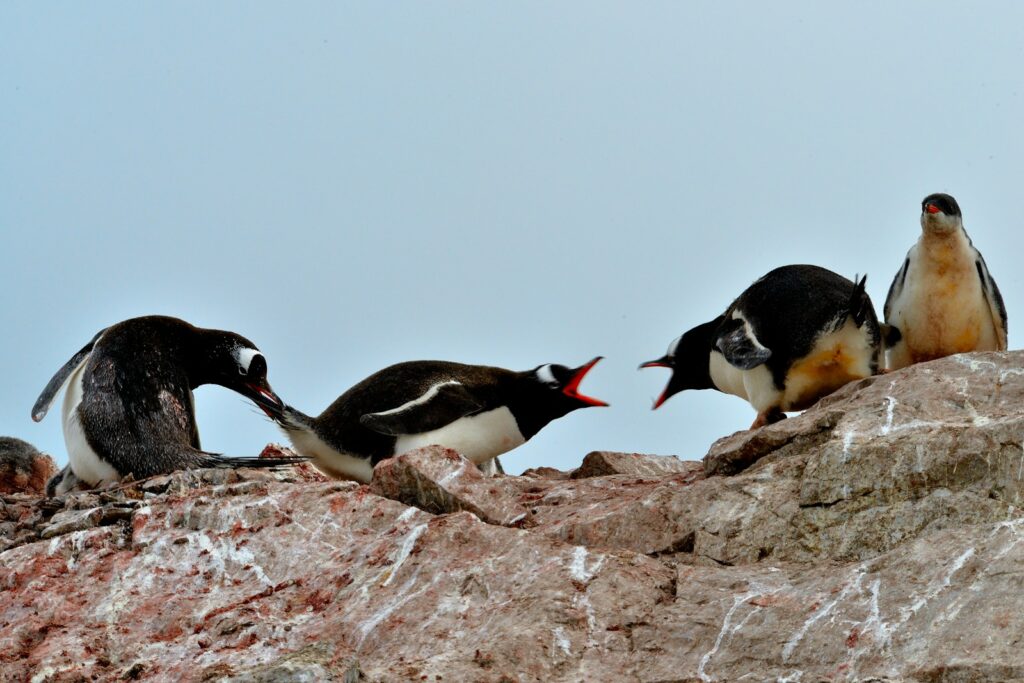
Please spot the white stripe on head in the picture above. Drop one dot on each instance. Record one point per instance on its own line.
(244, 358)
(674, 346)
(430, 393)
(545, 375)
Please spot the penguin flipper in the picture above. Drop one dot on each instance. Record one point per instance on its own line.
(741, 348)
(891, 335)
(440, 405)
(42, 405)
(994, 300)
(895, 289)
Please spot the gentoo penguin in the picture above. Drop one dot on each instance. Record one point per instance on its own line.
(128, 408)
(943, 299)
(795, 335)
(479, 411)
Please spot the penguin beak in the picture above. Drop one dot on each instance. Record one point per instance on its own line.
(663, 362)
(269, 402)
(661, 399)
(670, 388)
(931, 208)
(572, 388)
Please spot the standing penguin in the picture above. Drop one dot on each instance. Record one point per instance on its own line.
(479, 411)
(795, 335)
(943, 299)
(128, 408)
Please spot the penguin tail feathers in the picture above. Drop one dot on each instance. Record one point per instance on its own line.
(860, 302)
(223, 461)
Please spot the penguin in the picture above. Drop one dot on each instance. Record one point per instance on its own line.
(943, 299)
(128, 407)
(479, 411)
(795, 335)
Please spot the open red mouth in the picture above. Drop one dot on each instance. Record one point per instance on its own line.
(572, 388)
(931, 208)
(661, 399)
(663, 362)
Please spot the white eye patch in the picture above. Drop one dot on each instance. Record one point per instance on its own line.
(244, 359)
(674, 345)
(545, 375)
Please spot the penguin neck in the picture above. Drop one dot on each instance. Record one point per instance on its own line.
(945, 249)
(199, 358)
(534, 405)
(703, 348)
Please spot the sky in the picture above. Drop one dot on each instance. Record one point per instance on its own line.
(351, 185)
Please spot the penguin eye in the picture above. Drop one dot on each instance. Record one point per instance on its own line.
(257, 367)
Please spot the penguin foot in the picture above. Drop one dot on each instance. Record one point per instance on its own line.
(767, 417)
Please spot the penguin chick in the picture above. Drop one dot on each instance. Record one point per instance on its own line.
(129, 410)
(943, 299)
(479, 411)
(795, 335)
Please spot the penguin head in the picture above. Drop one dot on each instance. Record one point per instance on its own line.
(940, 214)
(559, 387)
(235, 363)
(688, 357)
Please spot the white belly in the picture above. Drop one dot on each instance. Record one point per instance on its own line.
(479, 437)
(942, 309)
(331, 462)
(755, 385)
(84, 461)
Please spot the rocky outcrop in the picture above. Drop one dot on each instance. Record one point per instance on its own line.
(875, 537)
(23, 469)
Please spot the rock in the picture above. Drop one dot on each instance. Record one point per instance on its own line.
(606, 463)
(878, 536)
(71, 520)
(23, 469)
(944, 608)
(438, 480)
(546, 473)
(880, 462)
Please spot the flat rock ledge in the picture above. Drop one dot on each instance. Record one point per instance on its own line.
(876, 537)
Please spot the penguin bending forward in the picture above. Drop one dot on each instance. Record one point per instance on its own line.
(943, 299)
(128, 407)
(795, 335)
(478, 411)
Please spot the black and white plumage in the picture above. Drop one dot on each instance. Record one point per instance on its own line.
(479, 411)
(128, 407)
(943, 299)
(795, 335)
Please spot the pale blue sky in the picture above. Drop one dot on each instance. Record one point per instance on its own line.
(353, 185)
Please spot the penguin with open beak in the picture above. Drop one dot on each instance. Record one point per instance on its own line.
(795, 335)
(478, 411)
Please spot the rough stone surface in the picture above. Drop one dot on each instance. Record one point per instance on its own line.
(877, 537)
(23, 469)
(606, 463)
(440, 480)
